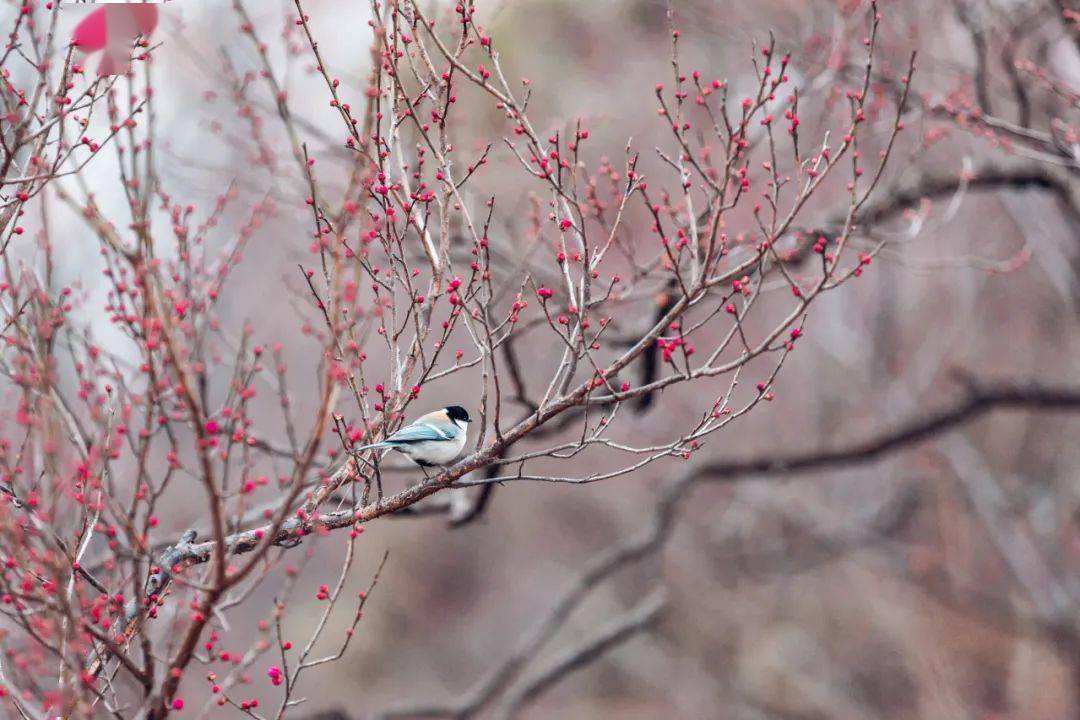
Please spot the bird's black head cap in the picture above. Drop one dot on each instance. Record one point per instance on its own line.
(456, 412)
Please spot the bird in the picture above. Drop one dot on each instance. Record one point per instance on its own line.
(432, 440)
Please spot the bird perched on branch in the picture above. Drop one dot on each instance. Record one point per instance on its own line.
(432, 440)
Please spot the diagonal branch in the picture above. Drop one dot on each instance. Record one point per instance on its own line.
(989, 178)
(979, 400)
(615, 632)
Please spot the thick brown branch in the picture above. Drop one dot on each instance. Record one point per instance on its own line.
(990, 178)
(980, 399)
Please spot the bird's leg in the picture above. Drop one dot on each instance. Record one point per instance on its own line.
(378, 481)
(367, 486)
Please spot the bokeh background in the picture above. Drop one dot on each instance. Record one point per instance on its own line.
(940, 582)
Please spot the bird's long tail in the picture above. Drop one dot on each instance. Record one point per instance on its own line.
(343, 458)
(372, 446)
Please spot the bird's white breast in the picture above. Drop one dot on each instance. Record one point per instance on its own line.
(436, 452)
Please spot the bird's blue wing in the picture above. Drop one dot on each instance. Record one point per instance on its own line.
(419, 432)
